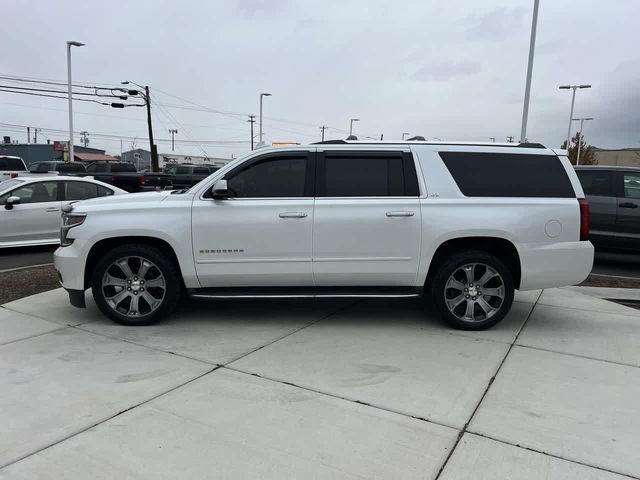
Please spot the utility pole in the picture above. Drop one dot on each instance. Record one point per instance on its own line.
(323, 128)
(252, 120)
(84, 138)
(381, 136)
(28, 134)
(172, 131)
(510, 138)
(493, 139)
(154, 150)
(35, 135)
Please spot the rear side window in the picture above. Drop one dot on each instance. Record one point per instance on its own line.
(631, 184)
(11, 164)
(122, 167)
(201, 171)
(596, 182)
(80, 190)
(508, 175)
(366, 174)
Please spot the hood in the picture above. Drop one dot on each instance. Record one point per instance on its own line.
(117, 201)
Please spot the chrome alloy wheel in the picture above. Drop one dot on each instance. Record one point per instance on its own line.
(474, 292)
(133, 286)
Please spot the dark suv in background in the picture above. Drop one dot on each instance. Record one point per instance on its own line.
(614, 199)
(57, 166)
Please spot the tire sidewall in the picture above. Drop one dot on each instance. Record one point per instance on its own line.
(164, 264)
(444, 271)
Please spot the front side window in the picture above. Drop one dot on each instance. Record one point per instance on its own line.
(631, 185)
(38, 192)
(273, 177)
(596, 182)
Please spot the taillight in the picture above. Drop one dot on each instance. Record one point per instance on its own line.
(142, 180)
(584, 219)
(13, 174)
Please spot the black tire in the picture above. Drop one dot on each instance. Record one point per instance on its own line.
(166, 269)
(453, 265)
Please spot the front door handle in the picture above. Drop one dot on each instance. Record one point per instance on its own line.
(400, 214)
(52, 209)
(292, 215)
(628, 205)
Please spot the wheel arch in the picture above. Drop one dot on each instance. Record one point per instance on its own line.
(501, 248)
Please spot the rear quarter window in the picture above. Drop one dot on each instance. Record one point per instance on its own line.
(508, 175)
(11, 164)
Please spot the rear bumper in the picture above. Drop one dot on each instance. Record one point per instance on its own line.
(555, 265)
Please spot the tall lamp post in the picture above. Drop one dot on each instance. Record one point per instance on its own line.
(261, 142)
(573, 101)
(351, 125)
(527, 88)
(579, 136)
(69, 45)
(173, 132)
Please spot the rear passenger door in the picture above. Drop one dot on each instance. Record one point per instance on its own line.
(599, 188)
(628, 219)
(367, 225)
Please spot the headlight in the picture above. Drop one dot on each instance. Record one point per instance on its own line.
(70, 220)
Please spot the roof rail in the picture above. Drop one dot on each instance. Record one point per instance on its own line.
(330, 142)
(531, 145)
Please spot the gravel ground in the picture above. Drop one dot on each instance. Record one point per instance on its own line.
(22, 283)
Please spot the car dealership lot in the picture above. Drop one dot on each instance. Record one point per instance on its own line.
(328, 389)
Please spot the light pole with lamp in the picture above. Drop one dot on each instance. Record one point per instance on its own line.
(173, 132)
(261, 142)
(69, 45)
(527, 88)
(579, 136)
(573, 101)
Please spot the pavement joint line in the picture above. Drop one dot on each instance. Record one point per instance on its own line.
(26, 267)
(128, 409)
(60, 327)
(542, 452)
(577, 355)
(636, 315)
(339, 397)
(291, 333)
(486, 390)
(613, 276)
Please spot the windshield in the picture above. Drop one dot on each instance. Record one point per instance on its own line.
(9, 184)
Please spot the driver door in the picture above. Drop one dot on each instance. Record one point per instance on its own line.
(36, 219)
(261, 235)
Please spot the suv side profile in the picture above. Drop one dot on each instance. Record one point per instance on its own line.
(614, 196)
(466, 224)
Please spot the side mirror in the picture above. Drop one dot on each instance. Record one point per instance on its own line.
(11, 201)
(219, 190)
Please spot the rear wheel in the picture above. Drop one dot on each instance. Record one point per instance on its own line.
(473, 290)
(136, 285)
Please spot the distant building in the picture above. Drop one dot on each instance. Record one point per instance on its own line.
(42, 152)
(624, 157)
(142, 159)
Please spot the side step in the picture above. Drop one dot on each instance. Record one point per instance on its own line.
(305, 292)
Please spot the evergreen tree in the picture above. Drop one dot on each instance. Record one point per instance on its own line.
(587, 155)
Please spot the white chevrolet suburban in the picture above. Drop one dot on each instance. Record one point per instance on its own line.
(465, 223)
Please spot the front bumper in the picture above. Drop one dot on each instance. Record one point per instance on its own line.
(69, 262)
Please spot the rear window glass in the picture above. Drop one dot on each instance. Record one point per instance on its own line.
(11, 164)
(71, 167)
(508, 175)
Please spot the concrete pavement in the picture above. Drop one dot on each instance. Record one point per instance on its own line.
(331, 389)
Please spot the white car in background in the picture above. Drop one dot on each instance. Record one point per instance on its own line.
(30, 206)
(11, 167)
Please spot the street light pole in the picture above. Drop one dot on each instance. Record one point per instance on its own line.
(173, 132)
(261, 143)
(527, 89)
(580, 136)
(573, 101)
(69, 45)
(351, 125)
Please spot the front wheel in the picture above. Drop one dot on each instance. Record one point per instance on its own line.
(473, 290)
(136, 284)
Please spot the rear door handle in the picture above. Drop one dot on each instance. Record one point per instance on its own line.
(628, 205)
(52, 209)
(292, 215)
(400, 214)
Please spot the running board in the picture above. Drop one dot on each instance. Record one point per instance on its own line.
(306, 292)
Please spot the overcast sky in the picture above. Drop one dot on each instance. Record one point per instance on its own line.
(453, 70)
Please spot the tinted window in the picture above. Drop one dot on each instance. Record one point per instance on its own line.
(362, 174)
(97, 167)
(269, 178)
(631, 185)
(103, 191)
(37, 192)
(122, 167)
(70, 167)
(508, 175)
(80, 190)
(182, 170)
(11, 164)
(201, 171)
(596, 182)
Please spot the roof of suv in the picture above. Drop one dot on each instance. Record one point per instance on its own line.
(605, 167)
(425, 142)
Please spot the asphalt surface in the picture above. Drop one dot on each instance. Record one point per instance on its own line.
(25, 256)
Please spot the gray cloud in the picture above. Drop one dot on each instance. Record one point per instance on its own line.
(441, 72)
(497, 24)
